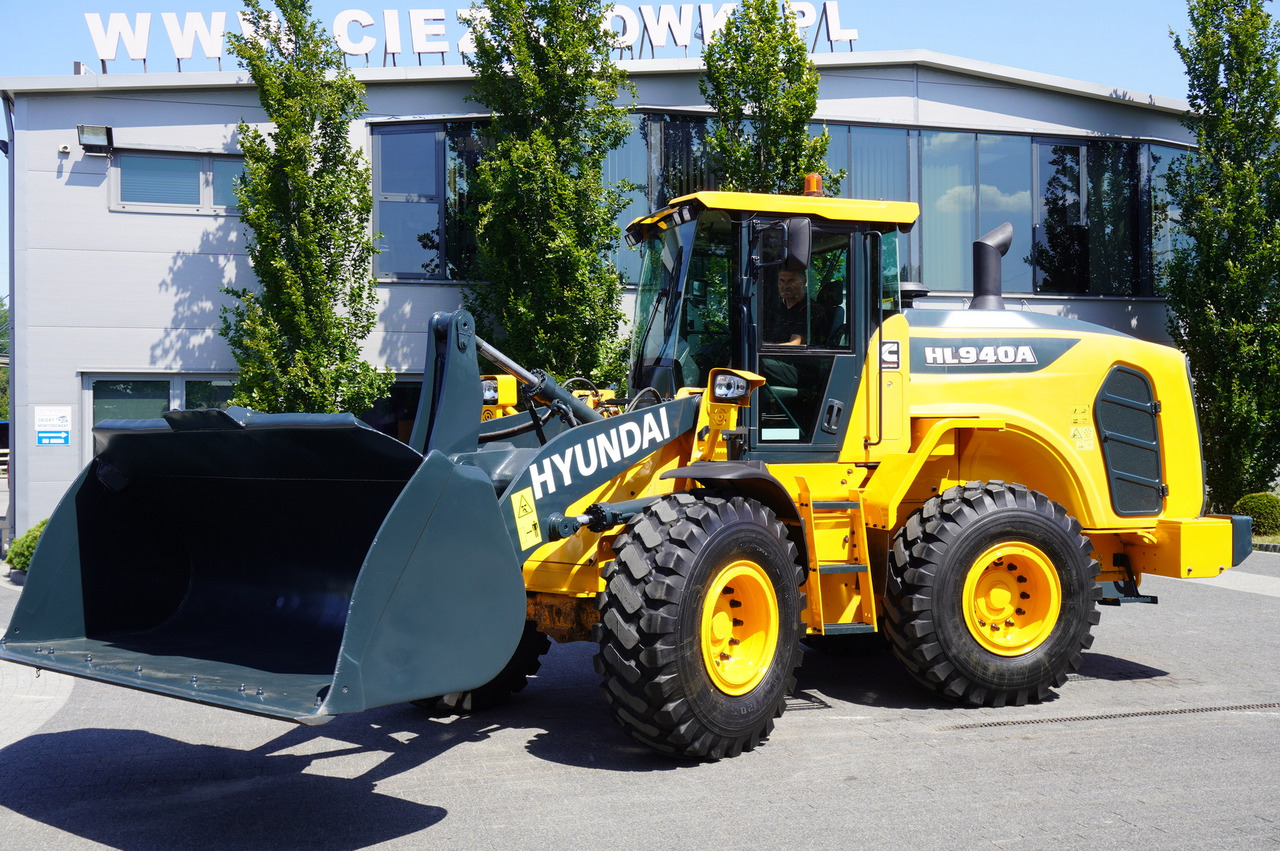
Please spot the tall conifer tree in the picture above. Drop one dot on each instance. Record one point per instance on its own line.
(547, 217)
(306, 197)
(764, 90)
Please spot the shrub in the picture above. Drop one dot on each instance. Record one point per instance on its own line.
(1264, 508)
(21, 550)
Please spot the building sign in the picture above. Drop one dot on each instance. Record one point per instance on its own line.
(426, 32)
(53, 425)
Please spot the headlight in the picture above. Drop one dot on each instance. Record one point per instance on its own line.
(489, 391)
(730, 387)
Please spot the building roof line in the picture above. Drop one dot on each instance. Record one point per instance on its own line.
(636, 67)
(1001, 73)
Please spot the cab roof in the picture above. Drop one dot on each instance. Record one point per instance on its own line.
(898, 215)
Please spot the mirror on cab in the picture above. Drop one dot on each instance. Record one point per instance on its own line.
(782, 241)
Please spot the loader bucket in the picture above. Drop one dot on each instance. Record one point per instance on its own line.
(295, 566)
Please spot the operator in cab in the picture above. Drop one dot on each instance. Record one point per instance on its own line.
(789, 320)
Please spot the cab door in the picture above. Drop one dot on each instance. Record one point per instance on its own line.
(810, 352)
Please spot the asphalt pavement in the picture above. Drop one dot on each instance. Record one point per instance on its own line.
(1168, 737)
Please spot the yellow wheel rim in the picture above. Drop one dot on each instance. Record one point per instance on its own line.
(1012, 597)
(739, 627)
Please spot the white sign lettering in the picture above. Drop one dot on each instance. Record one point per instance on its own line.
(342, 32)
(107, 40)
(969, 355)
(620, 443)
(668, 20)
(356, 31)
(183, 37)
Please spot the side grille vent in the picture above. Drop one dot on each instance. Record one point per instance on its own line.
(1126, 411)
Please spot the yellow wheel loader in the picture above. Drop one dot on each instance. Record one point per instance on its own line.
(804, 457)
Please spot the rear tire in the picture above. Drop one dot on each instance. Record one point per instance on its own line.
(524, 663)
(991, 594)
(700, 625)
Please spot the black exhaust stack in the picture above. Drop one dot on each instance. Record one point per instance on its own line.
(987, 251)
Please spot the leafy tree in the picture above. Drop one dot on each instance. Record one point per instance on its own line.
(306, 197)
(546, 218)
(764, 90)
(1223, 282)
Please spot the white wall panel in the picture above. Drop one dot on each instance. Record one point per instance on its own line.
(58, 354)
(129, 288)
(194, 120)
(446, 98)
(71, 210)
(404, 323)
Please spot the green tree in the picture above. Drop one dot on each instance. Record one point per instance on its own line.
(546, 217)
(764, 90)
(1223, 281)
(306, 198)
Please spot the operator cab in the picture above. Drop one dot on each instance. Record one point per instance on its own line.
(789, 287)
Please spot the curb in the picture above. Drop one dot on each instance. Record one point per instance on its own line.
(1266, 548)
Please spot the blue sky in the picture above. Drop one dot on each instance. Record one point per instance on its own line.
(1119, 43)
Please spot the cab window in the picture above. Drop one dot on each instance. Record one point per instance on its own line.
(804, 321)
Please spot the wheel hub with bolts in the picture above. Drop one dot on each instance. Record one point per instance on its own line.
(739, 627)
(1011, 600)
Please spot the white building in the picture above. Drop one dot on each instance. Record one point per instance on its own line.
(117, 260)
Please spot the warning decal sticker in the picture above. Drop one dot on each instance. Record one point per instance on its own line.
(526, 511)
(1082, 433)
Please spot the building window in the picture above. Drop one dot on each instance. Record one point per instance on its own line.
(126, 399)
(630, 162)
(1091, 235)
(175, 183)
(422, 177)
(143, 398)
(679, 162)
(876, 161)
(1166, 217)
(1004, 195)
(948, 203)
(970, 184)
(148, 397)
(205, 393)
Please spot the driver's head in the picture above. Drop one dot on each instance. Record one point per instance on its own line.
(791, 285)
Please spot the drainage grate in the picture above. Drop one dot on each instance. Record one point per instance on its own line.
(1151, 713)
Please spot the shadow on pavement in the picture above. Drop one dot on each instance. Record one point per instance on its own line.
(138, 791)
(1100, 666)
(868, 674)
(135, 790)
(872, 676)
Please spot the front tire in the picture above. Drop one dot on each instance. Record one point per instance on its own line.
(991, 594)
(700, 625)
